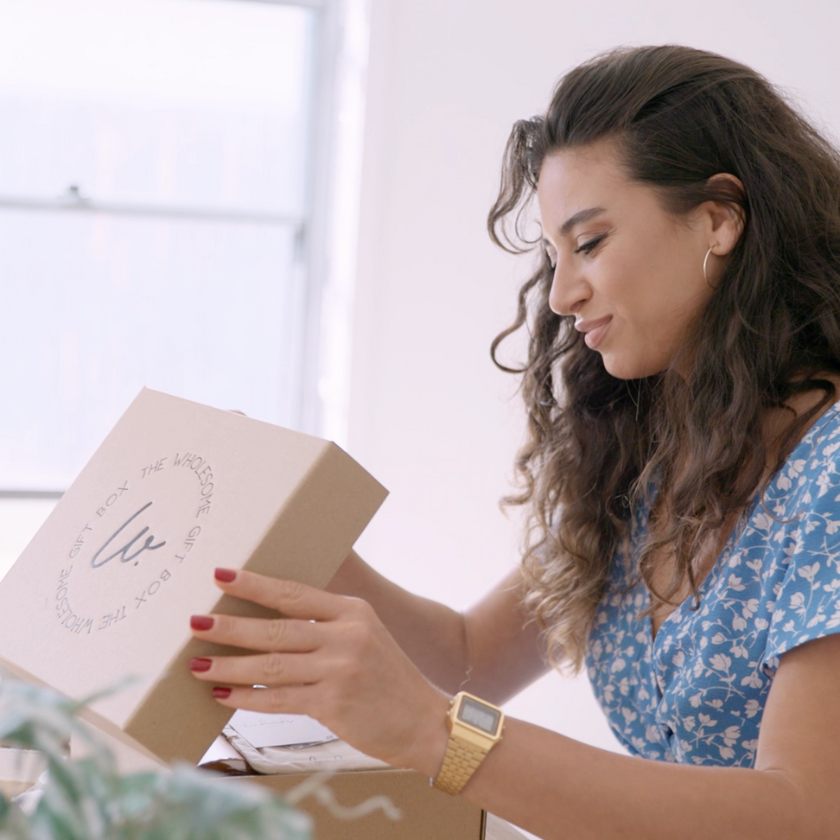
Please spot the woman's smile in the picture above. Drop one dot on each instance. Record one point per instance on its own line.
(593, 330)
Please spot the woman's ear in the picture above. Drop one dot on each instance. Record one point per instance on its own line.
(725, 217)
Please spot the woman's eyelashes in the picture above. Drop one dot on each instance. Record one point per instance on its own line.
(590, 245)
(586, 248)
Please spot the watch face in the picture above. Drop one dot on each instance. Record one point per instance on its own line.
(481, 716)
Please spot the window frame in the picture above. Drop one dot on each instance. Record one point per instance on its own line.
(314, 228)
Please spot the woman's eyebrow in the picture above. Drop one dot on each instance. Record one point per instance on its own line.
(579, 218)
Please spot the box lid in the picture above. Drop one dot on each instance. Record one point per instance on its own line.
(101, 597)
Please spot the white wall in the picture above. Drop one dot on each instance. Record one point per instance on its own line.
(429, 413)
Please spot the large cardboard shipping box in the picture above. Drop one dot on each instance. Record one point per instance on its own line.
(424, 813)
(101, 597)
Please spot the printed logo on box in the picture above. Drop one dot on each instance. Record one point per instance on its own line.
(142, 532)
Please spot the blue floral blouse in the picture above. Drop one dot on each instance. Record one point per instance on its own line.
(697, 693)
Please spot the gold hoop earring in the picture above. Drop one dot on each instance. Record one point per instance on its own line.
(705, 261)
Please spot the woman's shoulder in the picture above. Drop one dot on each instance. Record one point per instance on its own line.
(789, 553)
(815, 456)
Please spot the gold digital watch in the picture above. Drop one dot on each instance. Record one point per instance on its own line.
(475, 727)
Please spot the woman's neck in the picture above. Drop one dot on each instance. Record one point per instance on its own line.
(778, 421)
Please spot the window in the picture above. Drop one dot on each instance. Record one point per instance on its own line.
(161, 180)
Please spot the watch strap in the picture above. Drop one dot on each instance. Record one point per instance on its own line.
(459, 763)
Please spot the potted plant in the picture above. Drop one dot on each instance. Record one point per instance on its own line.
(87, 799)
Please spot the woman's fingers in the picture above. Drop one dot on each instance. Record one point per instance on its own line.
(284, 634)
(287, 642)
(287, 699)
(271, 669)
(296, 600)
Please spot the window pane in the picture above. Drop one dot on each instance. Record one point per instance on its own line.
(101, 305)
(174, 102)
(162, 113)
(19, 521)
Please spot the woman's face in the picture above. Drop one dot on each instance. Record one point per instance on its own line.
(630, 272)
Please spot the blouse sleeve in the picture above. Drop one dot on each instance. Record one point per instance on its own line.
(807, 600)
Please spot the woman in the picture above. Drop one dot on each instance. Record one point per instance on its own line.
(682, 476)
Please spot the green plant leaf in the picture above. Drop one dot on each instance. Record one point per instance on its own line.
(88, 800)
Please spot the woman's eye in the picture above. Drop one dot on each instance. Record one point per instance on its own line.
(590, 246)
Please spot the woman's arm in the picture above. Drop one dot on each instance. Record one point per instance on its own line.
(333, 659)
(492, 649)
(576, 791)
(560, 788)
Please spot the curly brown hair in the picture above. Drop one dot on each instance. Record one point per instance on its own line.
(597, 445)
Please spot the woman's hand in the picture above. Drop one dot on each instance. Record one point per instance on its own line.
(329, 657)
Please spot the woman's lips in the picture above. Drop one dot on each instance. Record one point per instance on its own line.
(594, 330)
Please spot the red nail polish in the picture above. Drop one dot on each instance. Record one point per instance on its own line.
(221, 693)
(201, 622)
(225, 575)
(198, 663)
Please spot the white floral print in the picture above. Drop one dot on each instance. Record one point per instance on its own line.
(697, 693)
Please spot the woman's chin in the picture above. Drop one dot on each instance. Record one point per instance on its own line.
(622, 367)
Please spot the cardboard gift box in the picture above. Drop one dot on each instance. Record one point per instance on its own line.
(101, 597)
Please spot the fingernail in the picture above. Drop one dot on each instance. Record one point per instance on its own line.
(225, 575)
(221, 693)
(201, 622)
(198, 663)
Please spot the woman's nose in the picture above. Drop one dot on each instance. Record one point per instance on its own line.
(569, 290)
